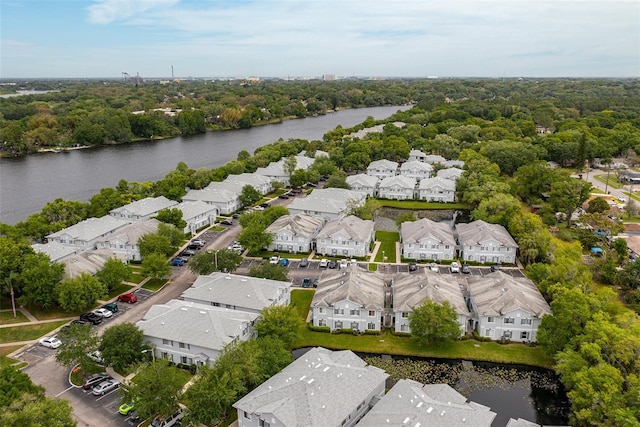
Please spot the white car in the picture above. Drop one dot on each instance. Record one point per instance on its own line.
(324, 263)
(51, 342)
(434, 267)
(274, 259)
(455, 267)
(344, 263)
(96, 356)
(105, 387)
(103, 312)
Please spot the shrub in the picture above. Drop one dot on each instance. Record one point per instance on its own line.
(319, 328)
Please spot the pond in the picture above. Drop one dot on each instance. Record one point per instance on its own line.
(511, 391)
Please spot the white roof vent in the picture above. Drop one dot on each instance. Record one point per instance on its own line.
(406, 420)
(311, 381)
(183, 308)
(429, 410)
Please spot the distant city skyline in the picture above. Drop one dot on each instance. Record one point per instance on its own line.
(311, 38)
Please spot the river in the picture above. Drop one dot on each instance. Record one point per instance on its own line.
(28, 183)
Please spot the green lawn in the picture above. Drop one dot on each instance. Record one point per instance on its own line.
(4, 360)
(154, 284)
(6, 317)
(421, 205)
(28, 332)
(613, 181)
(387, 343)
(373, 267)
(136, 277)
(387, 241)
(49, 313)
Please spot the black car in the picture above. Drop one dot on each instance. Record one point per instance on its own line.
(413, 266)
(495, 267)
(94, 380)
(283, 196)
(304, 262)
(333, 264)
(226, 222)
(264, 205)
(235, 216)
(92, 318)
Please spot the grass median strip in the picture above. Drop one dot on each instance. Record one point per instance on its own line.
(28, 332)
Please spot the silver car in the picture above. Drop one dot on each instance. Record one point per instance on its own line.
(105, 387)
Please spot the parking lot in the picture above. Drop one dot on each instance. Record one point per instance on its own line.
(108, 405)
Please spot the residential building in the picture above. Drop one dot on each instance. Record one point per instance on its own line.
(484, 242)
(124, 241)
(197, 214)
(348, 237)
(89, 261)
(194, 334)
(416, 155)
(234, 292)
(294, 233)
(450, 173)
(397, 188)
(322, 388)
(328, 202)
(54, 250)
(261, 183)
(434, 158)
(427, 240)
(275, 171)
(214, 194)
(364, 183)
(416, 170)
(351, 298)
(142, 210)
(382, 168)
(437, 190)
(411, 290)
(454, 164)
(505, 307)
(85, 234)
(413, 404)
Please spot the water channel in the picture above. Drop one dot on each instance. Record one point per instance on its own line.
(511, 391)
(28, 183)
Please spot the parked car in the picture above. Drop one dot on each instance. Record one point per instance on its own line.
(92, 318)
(96, 356)
(495, 267)
(95, 379)
(304, 263)
(198, 242)
(235, 216)
(284, 262)
(455, 267)
(306, 282)
(465, 268)
(323, 263)
(354, 262)
(333, 264)
(193, 247)
(129, 298)
(434, 267)
(105, 387)
(283, 196)
(413, 266)
(126, 407)
(51, 342)
(187, 252)
(111, 306)
(227, 222)
(103, 312)
(177, 262)
(264, 205)
(344, 263)
(168, 422)
(274, 259)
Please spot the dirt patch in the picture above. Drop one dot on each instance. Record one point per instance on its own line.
(632, 227)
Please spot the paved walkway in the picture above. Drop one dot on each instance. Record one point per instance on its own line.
(374, 252)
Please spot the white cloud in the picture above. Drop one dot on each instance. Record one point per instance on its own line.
(107, 11)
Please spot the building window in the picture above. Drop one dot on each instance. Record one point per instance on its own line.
(490, 319)
(371, 326)
(167, 342)
(404, 328)
(263, 423)
(322, 322)
(354, 312)
(338, 324)
(338, 311)
(183, 345)
(525, 321)
(246, 415)
(405, 314)
(524, 335)
(507, 334)
(320, 310)
(183, 360)
(372, 313)
(509, 320)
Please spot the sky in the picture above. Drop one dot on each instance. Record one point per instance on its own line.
(311, 38)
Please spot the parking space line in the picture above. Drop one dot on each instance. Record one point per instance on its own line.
(105, 395)
(64, 391)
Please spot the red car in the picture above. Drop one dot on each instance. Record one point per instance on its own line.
(130, 298)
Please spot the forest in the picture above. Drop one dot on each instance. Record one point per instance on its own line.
(520, 139)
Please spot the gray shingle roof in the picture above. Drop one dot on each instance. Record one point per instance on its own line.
(416, 164)
(498, 293)
(424, 229)
(356, 284)
(132, 232)
(412, 289)
(54, 250)
(298, 225)
(410, 403)
(321, 388)
(147, 206)
(92, 228)
(446, 184)
(211, 193)
(194, 208)
(351, 226)
(383, 164)
(449, 173)
(477, 232)
(397, 180)
(363, 180)
(240, 291)
(195, 324)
